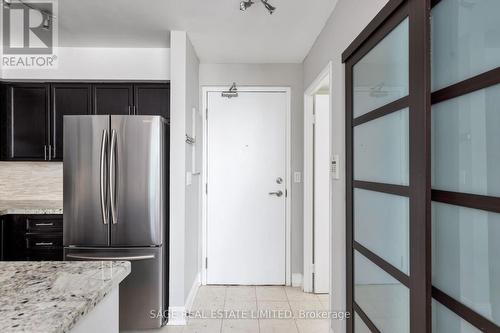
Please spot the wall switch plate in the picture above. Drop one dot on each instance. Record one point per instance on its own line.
(297, 177)
(334, 167)
(189, 178)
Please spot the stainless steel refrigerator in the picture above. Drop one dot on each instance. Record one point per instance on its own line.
(115, 205)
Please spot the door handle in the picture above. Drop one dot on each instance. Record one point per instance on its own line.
(278, 193)
(45, 152)
(128, 258)
(104, 143)
(112, 177)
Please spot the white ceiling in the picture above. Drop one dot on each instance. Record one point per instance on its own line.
(220, 32)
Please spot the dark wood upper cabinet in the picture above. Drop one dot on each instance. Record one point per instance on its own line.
(152, 99)
(31, 114)
(114, 99)
(25, 122)
(67, 99)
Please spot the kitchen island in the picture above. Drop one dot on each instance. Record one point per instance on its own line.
(54, 297)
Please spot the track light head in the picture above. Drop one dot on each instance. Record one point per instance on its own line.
(245, 4)
(269, 7)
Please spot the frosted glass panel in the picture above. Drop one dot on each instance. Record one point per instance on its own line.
(384, 300)
(381, 149)
(466, 143)
(446, 321)
(465, 40)
(381, 225)
(381, 76)
(360, 326)
(465, 257)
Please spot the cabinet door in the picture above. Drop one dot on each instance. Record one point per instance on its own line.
(113, 99)
(152, 99)
(67, 99)
(25, 120)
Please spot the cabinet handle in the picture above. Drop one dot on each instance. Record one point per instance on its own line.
(50, 152)
(129, 109)
(54, 151)
(135, 109)
(44, 224)
(45, 152)
(44, 243)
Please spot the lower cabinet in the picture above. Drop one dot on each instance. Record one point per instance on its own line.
(31, 237)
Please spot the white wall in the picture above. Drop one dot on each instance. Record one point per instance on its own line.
(348, 19)
(289, 75)
(88, 63)
(193, 191)
(184, 199)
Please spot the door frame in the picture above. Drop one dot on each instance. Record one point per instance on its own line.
(288, 177)
(309, 176)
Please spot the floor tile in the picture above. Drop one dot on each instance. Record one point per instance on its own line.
(240, 293)
(211, 293)
(271, 293)
(278, 326)
(296, 294)
(273, 305)
(203, 326)
(313, 326)
(240, 305)
(240, 326)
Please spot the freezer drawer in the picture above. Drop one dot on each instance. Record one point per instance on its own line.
(142, 291)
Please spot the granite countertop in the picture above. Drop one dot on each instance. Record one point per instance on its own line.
(30, 207)
(52, 296)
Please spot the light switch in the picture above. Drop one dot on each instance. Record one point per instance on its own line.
(335, 167)
(297, 177)
(189, 178)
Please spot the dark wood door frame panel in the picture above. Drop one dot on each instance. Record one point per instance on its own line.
(419, 190)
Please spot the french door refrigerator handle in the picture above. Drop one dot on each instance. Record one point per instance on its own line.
(112, 177)
(119, 258)
(102, 183)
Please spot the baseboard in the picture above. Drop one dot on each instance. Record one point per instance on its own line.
(177, 316)
(296, 279)
(192, 293)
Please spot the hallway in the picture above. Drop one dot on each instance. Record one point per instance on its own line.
(271, 303)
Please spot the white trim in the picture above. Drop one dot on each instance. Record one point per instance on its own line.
(192, 293)
(297, 280)
(309, 173)
(288, 180)
(177, 316)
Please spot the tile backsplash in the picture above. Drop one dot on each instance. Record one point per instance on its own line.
(31, 181)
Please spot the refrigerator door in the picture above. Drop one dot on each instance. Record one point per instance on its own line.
(137, 180)
(143, 291)
(85, 202)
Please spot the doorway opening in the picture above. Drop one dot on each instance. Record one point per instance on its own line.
(318, 167)
(246, 231)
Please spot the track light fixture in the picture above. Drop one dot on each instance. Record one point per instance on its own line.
(244, 4)
(6, 4)
(269, 7)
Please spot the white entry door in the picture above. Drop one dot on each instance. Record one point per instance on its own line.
(246, 155)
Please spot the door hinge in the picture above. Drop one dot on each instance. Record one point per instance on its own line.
(313, 268)
(206, 188)
(206, 114)
(286, 193)
(313, 119)
(206, 262)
